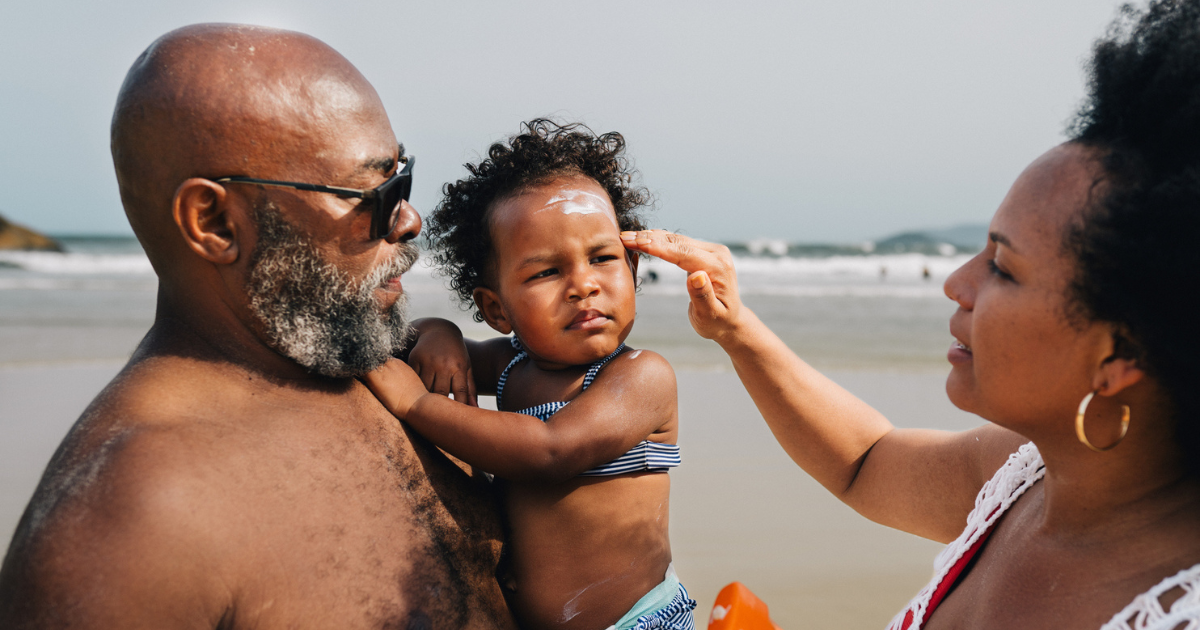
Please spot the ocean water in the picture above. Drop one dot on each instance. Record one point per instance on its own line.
(740, 509)
(96, 300)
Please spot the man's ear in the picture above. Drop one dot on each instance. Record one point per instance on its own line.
(488, 303)
(204, 220)
(633, 259)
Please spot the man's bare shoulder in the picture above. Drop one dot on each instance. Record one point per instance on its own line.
(141, 496)
(118, 523)
(152, 418)
(220, 493)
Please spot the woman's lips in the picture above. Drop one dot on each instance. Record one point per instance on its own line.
(959, 353)
(588, 320)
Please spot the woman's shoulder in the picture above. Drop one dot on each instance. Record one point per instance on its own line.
(1023, 467)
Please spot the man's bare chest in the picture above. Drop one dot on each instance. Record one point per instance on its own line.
(367, 529)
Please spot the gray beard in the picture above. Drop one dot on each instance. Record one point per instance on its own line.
(314, 313)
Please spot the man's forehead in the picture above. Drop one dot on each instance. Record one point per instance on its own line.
(238, 96)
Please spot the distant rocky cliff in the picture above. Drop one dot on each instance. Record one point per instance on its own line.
(13, 236)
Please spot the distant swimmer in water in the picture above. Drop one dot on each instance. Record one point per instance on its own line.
(925, 273)
(587, 427)
(652, 276)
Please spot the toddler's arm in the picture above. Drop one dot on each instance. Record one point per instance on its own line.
(632, 399)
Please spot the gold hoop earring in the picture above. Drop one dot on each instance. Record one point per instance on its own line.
(1079, 422)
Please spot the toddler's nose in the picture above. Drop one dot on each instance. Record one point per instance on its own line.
(584, 284)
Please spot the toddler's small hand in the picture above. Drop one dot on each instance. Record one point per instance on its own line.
(441, 360)
(396, 386)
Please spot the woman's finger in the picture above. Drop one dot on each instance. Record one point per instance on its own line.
(705, 305)
(687, 253)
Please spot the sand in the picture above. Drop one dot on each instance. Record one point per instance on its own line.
(741, 510)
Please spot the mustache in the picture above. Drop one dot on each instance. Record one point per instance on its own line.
(399, 264)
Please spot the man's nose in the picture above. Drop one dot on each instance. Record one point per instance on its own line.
(407, 227)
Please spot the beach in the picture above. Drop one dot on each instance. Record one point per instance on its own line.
(741, 510)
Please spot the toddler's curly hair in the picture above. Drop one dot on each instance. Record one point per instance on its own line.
(459, 229)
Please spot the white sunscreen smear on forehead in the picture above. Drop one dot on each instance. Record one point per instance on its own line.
(578, 202)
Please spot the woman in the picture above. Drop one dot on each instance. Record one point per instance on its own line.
(1076, 332)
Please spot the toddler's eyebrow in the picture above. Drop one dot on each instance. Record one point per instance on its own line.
(538, 259)
(535, 259)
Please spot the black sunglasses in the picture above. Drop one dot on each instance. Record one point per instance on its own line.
(385, 211)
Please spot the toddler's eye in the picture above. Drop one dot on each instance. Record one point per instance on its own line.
(544, 273)
(604, 258)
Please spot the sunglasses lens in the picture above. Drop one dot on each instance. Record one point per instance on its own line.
(391, 194)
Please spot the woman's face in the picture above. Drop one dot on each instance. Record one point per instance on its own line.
(1018, 360)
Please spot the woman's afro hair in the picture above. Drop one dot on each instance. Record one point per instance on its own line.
(459, 231)
(1138, 245)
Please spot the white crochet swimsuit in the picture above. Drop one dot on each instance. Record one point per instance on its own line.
(1022, 470)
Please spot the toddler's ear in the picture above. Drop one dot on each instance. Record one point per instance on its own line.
(489, 305)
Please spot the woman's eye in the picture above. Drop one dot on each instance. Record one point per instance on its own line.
(998, 271)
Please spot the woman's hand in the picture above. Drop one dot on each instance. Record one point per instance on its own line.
(716, 309)
(440, 358)
(396, 385)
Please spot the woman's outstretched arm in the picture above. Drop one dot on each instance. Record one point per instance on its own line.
(920, 481)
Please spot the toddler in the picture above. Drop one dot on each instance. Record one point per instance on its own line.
(587, 427)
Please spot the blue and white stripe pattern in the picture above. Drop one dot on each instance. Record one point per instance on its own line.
(646, 456)
(676, 616)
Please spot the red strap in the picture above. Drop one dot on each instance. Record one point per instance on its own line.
(950, 579)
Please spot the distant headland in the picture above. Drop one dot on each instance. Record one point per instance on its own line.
(961, 239)
(13, 236)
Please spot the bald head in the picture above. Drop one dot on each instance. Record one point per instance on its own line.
(213, 100)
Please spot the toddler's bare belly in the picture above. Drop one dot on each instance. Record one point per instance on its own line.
(584, 552)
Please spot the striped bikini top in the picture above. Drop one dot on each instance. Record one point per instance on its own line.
(646, 456)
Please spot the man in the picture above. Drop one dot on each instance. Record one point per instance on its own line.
(234, 474)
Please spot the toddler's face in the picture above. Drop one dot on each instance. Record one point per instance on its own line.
(564, 282)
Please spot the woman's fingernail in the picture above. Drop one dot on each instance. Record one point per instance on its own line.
(698, 281)
(628, 236)
(643, 240)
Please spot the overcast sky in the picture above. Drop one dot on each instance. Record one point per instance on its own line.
(819, 120)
